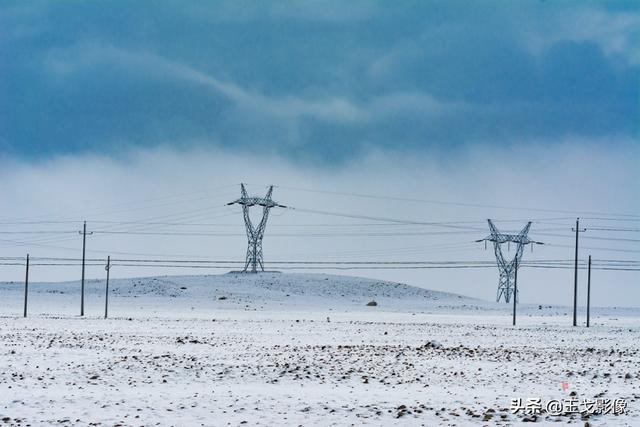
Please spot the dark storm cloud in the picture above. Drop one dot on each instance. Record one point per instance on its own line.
(322, 81)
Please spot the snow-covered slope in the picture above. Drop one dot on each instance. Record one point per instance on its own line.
(204, 294)
(299, 349)
(207, 296)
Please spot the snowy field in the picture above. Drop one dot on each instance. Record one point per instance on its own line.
(301, 349)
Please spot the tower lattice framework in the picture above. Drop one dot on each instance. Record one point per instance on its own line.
(255, 234)
(506, 268)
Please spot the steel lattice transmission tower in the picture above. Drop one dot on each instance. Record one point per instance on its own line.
(508, 268)
(255, 234)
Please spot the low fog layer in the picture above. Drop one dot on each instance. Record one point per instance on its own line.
(548, 184)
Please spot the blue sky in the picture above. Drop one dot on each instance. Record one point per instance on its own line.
(323, 82)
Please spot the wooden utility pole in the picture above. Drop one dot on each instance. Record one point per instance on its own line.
(106, 291)
(575, 275)
(588, 291)
(515, 291)
(26, 286)
(84, 246)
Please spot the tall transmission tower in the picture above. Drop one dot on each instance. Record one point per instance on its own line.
(255, 234)
(508, 268)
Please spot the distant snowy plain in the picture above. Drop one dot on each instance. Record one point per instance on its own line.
(300, 349)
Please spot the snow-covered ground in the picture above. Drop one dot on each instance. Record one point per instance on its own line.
(300, 349)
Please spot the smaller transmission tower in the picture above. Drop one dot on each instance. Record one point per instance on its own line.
(508, 268)
(255, 234)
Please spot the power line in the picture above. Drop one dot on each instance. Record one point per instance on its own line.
(384, 219)
(329, 267)
(439, 202)
(594, 248)
(336, 234)
(142, 204)
(36, 232)
(632, 230)
(613, 219)
(602, 262)
(619, 239)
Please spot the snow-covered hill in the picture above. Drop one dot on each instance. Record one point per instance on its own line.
(209, 295)
(206, 294)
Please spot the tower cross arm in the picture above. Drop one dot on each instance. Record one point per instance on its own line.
(257, 201)
(504, 238)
